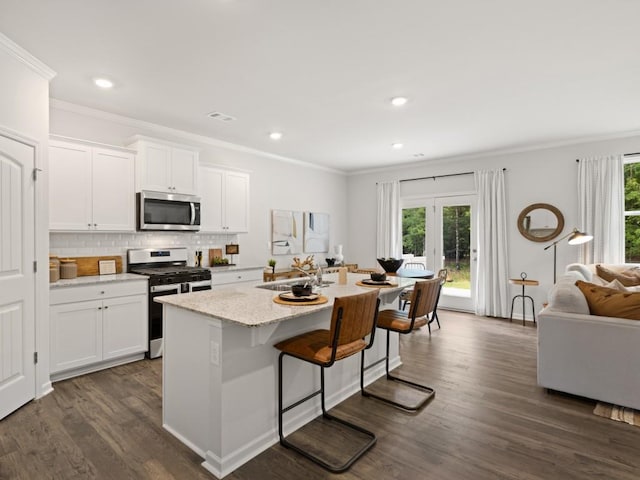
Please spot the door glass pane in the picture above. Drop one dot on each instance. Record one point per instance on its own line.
(456, 245)
(414, 232)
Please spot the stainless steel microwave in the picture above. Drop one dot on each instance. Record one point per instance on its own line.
(168, 211)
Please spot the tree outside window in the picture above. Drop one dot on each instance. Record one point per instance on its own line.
(632, 211)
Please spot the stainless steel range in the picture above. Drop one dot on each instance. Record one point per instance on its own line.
(168, 274)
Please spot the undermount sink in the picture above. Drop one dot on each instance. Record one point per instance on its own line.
(285, 286)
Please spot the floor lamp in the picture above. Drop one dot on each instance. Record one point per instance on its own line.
(576, 237)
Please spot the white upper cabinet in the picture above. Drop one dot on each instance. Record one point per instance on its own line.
(165, 167)
(224, 201)
(90, 187)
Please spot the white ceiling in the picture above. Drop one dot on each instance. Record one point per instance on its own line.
(480, 75)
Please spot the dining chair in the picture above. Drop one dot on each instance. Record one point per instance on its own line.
(442, 275)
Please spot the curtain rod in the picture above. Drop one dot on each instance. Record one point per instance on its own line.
(625, 155)
(433, 177)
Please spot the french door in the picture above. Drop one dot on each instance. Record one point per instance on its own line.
(438, 233)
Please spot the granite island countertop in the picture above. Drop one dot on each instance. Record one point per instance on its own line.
(97, 279)
(251, 306)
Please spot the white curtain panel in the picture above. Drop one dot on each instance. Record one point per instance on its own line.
(389, 224)
(601, 208)
(492, 286)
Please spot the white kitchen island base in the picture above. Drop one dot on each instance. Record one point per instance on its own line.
(220, 381)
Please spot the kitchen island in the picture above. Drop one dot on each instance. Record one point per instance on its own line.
(220, 367)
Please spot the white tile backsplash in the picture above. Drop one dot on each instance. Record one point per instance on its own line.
(102, 243)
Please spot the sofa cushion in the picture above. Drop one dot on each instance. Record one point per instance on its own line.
(626, 278)
(608, 302)
(582, 269)
(566, 297)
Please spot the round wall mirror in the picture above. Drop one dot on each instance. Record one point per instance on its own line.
(540, 222)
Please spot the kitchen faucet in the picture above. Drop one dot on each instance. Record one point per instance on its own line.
(312, 279)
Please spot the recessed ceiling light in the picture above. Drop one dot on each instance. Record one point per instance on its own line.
(398, 101)
(275, 135)
(103, 82)
(397, 146)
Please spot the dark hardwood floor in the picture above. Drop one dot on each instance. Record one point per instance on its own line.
(489, 420)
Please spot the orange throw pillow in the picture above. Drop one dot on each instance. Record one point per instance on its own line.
(623, 277)
(608, 302)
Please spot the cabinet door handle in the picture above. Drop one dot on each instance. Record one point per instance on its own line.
(99, 308)
(102, 292)
(106, 306)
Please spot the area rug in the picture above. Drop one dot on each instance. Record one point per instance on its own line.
(619, 414)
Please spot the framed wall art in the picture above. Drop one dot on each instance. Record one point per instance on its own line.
(286, 232)
(316, 232)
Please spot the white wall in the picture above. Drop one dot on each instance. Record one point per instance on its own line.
(545, 176)
(275, 184)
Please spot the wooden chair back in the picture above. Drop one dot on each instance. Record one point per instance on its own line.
(425, 297)
(354, 317)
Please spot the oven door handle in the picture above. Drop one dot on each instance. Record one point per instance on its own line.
(193, 213)
(165, 288)
(202, 283)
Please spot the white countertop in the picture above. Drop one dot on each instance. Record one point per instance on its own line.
(95, 279)
(251, 306)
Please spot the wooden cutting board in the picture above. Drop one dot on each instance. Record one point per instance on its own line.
(213, 253)
(89, 265)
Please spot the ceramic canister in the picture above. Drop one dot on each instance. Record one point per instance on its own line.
(68, 268)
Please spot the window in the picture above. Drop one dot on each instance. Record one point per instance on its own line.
(632, 210)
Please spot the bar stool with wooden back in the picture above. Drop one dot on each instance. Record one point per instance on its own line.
(405, 296)
(423, 301)
(352, 320)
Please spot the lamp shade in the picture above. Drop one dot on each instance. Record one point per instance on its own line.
(578, 238)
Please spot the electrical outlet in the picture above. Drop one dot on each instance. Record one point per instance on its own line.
(215, 353)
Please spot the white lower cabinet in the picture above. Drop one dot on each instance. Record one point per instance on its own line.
(97, 326)
(76, 335)
(228, 277)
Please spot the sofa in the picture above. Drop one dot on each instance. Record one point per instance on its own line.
(593, 356)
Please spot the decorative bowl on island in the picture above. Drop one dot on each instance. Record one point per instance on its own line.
(390, 265)
(378, 276)
(301, 289)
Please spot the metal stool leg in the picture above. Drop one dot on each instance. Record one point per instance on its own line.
(524, 298)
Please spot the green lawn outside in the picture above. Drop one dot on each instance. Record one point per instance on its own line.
(458, 278)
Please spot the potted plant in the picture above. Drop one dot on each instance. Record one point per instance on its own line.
(272, 264)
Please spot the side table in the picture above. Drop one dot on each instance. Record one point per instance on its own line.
(523, 282)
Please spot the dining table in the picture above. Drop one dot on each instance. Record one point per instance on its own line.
(414, 273)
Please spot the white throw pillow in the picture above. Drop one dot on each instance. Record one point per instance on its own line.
(566, 297)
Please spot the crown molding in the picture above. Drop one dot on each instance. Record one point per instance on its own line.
(181, 134)
(20, 54)
(507, 151)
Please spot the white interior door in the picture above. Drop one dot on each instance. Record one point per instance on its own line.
(438, 232)
(17, 279)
